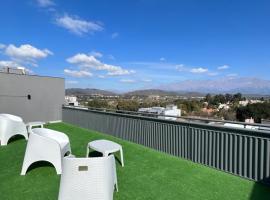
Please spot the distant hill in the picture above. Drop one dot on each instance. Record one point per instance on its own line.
(245, 85)
(150, 92)
(88, 91)
(162, 93)
(249, 87)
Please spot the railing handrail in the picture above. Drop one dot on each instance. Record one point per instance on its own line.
(188, 123)
(179, 117)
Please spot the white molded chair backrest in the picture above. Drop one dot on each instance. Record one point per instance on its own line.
(87, 178)
(11, 117)
(11, 125)
(52, 134)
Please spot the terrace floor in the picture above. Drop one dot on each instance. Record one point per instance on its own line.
(147, 174)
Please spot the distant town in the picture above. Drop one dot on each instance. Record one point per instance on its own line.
(231, 107)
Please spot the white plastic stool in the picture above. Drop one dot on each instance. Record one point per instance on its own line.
(105, 147)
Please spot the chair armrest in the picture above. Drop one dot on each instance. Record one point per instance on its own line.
(31, 124)
(57, 136)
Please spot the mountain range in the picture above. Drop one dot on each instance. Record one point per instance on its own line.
(88, 91)
(244, 85)
(249, 86)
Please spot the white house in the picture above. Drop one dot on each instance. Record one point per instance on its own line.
(165, 113)
(71, 101)
(246, 102)
(223, 106)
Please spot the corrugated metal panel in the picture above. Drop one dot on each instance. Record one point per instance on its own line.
(241, 152)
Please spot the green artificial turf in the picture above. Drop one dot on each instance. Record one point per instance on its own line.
(147, 174)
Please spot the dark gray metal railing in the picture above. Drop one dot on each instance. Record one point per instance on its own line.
(242, 152)
(183, 118)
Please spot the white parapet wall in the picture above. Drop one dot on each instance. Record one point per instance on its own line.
(34, 98)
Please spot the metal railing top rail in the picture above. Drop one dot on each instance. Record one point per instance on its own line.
(179, 117)
(141, 115)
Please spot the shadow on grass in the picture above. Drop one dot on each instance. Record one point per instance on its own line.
(39, 164)
(15, 138)
(98, 154)
(261, 190)
(95, 154)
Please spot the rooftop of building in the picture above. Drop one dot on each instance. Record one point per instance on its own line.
(19, 73)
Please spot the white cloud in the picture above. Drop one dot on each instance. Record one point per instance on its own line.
(223, 67)
(78, 74)
(147, 80)
(45, 3)
(26, 53)
(111, 57)
(232, 75)
(195, 70)
(115, 35)
(120, 72)
(198, 70)
(96, 54)
(162, 59)
(127, 81)
(78, 26)
(71, 82)
(212, 74)
(101, 76)
(84, 60)
(181, 68)
(90, 62)
(2, 46)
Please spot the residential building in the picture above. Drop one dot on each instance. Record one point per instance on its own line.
(168, 113)
(223, 106)
(246, 102)
(71, 101)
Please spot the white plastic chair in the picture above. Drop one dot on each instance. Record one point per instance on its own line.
(11, 125)
(46, 145)
(88, 178)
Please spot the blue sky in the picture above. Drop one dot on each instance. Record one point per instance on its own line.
(127, 45)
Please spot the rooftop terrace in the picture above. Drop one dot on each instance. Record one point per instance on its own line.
(148, 174)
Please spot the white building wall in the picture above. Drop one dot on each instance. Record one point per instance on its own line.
(170, 110)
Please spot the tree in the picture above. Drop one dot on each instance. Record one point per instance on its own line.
(237, 97)
(208, 98)
(98, 103)
(218, 99)
(227, 114)
(129, 105)
(190, 106)
(228, 97)
(257, 111)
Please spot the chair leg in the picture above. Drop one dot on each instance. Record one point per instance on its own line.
(87, 152)
(115, 174)
(25, 167)
(122, 157)
(58, 168)
(4, 142)
(116, 186)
